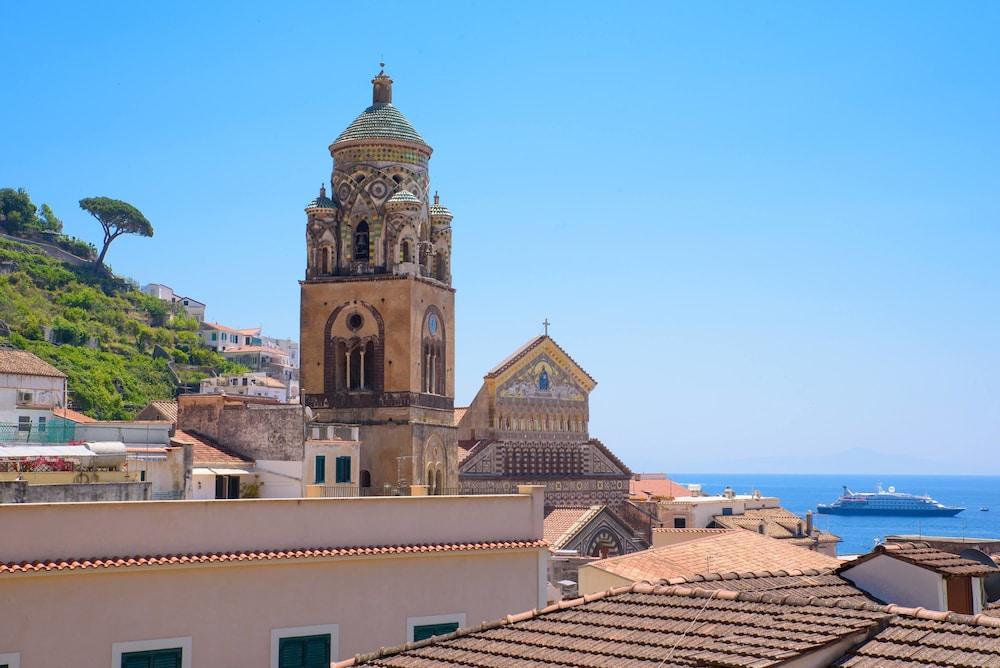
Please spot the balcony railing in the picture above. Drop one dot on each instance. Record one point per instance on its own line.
(56, 431)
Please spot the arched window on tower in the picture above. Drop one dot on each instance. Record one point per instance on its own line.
(361, 241)
(406, 253)
(442, 267)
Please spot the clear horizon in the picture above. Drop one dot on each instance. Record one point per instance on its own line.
(766, 230)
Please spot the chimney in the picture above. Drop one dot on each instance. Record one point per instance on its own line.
(809, 523)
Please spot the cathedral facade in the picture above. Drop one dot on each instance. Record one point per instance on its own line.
(528, 424)
(377, 304)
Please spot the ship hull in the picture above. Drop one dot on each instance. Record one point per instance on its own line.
(915, 512)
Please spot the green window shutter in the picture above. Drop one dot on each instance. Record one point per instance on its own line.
(429, 630)
(157, 658)
(320, 469)
(304, 652)
(343, 469)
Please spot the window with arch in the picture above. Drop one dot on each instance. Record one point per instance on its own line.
(405, 251)
(433, 354)
(361, 241)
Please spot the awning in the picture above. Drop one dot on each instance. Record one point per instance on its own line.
(19, 451)
(206, 471)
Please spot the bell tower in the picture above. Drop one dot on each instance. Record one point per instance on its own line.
(377, 306)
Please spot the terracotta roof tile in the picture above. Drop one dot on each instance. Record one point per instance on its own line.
(925, 556)
(652, 626)
(811, 582)
(645, 626)
(663, 488)
(206, 452)
(22, 362)
(736, 551)
(561, 524)
(72, 415)
(10, 568)
(164, 408)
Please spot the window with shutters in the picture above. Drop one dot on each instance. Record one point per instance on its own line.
(343, 469)
(304, 652)
(425, 631)
(320, 473)
(157, 658)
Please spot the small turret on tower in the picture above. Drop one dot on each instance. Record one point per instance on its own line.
(382, 87)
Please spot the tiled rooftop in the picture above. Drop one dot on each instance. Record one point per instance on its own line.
(663, 488)
(921, 554)
(651, 626)
(918, 642)
(72, 415)
(728, 551)
(294, 553)
(24, 363)
(166, 408)
(821, 584)
(561, 524)
(404, 196)
(206, 452)
(381, 121)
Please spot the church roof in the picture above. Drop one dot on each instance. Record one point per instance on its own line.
(439, 211)
(523, 351)
(381, 121)
(404, 196)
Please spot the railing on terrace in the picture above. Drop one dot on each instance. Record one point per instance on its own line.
(56, 431)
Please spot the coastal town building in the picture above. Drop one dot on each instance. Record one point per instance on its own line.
(254, 384)
(651, 625)
(377, 303)
(164, 410)
(191, 306)
(216, 583)
(221, 337)
(918, 575)
(30, 390)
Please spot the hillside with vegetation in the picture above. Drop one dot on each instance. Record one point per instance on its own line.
(120, 347)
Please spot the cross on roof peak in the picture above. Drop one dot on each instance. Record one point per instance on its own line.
(545, 324)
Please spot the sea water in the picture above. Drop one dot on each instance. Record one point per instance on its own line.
(799, 493)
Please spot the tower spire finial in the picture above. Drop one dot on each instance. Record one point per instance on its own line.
(437, 200)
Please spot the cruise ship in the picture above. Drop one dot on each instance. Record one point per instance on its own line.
(886, 502)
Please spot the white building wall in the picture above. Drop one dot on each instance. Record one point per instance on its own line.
(46, 392)
(894, 581)
(279, 479)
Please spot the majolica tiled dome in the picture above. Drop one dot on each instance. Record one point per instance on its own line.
(437, 210)
(404, 196)
(381, 120)
(321, 202)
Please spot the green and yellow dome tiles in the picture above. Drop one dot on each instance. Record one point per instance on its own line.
(381, 121)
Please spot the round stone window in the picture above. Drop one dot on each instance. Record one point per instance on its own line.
(355, 321)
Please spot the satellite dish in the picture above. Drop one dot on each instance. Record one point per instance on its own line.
(309, 414)
(992, 581)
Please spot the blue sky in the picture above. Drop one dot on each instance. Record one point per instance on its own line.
(765, 228)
